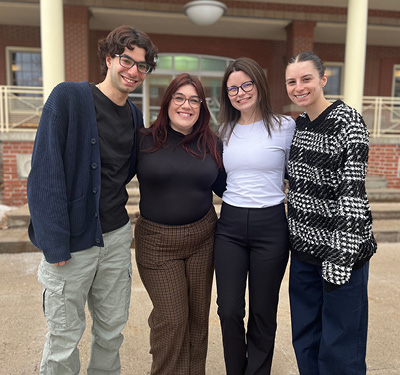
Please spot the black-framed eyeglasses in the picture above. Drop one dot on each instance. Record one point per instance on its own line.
(245, 86)
(180, 99)
(127, 62)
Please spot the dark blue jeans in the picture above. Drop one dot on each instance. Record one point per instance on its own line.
(329, 330)
(250, 244)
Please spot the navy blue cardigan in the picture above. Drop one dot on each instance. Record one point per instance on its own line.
(64, 183)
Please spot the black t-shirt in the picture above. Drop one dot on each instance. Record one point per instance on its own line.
(175, 186)
(116, 136)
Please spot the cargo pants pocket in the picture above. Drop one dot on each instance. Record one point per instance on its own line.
(53, 299)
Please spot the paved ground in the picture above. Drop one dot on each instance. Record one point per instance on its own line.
(23, 326)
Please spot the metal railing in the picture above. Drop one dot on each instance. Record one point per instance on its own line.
(21, 108)
(381, 115)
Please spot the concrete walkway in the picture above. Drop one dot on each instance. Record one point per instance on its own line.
(23, 326)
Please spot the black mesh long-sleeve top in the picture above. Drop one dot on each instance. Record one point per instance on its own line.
(175, 186)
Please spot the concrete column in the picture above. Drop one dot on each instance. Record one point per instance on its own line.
(356, 45)
(52, 39)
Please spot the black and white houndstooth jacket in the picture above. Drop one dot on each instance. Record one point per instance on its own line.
(328, 211)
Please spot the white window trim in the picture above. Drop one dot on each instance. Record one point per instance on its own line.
(11, 49)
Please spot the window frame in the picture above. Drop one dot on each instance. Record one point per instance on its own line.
(9, 50)
(328, 64)
(396, 67)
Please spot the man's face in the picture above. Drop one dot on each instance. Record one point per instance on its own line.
(126, 79)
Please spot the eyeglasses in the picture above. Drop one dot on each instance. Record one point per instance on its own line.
(194, 101)
(245, 86)
(127, 62)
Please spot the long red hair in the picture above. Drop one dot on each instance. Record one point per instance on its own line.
(206, 138)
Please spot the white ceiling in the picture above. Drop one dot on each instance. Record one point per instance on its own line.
(237, 27)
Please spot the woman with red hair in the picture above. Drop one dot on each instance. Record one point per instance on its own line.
(179, 165)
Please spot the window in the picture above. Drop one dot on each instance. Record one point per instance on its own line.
(24, 75)
(334, 72)
(209, 69)
(396, 81)
(395, 113)
(24, 67)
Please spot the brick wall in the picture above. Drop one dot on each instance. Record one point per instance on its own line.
(384, 161)
(14, 184)
(76, 36)
(16, 36)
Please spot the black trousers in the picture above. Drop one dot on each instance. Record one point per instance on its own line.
(253, 244)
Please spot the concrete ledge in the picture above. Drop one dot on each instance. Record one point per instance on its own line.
(15, 241)
(28, 136)
(385, 211)
(389, 140)
(383, 195)
(386, 230)
(18, 218)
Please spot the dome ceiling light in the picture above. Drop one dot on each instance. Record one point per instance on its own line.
(204, 12)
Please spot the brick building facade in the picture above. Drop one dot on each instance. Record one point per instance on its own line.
(302, 22)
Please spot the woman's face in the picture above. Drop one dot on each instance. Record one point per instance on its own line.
(303, 84)
(184, 109)
(245, 100)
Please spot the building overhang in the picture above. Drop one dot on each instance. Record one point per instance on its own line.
(269, 23)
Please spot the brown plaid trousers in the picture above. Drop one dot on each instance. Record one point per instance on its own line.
(175, 263)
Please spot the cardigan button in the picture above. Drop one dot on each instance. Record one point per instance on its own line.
(97, 240)
(96, 214)
(94, 190)
(93, 141)
(94, 166)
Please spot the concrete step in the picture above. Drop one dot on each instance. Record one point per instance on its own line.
(383, 195)
(386, 230)
(134, 195)
(385, 210)
(19, 217)
(15, 239)
(375, 182)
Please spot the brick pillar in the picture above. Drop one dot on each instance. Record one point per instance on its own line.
(299, 37)
(76, 35)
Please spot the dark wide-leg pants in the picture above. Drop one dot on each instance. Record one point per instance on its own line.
(329, 329)
(176, 266)
(250, 243)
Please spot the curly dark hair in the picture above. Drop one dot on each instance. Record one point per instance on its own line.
(126, 37)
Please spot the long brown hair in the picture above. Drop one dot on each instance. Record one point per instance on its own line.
(228, 115)
(202, 133)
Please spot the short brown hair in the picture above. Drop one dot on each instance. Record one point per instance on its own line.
(126, 37)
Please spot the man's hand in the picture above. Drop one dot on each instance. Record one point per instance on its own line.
(60, 263)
